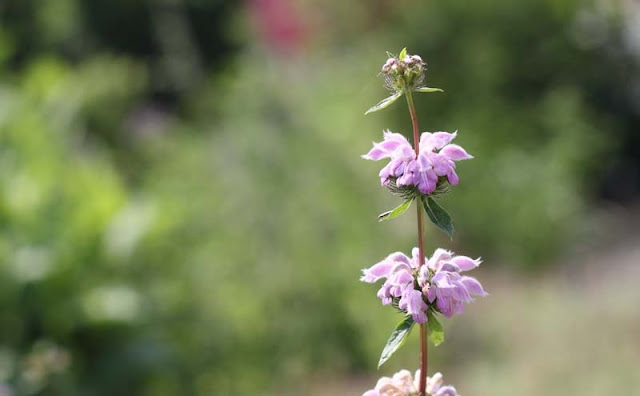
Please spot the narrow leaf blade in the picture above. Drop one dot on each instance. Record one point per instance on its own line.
(397, 339)
(436, 332)
(438, 216)
(402, 53)
(384, 103)
(392, 214)
(428, 89)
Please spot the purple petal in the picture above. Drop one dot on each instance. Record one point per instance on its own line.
(441, 281)
(405, 180)
(431, 294)
(388, 135)
(425, 139)
(386, 171)
(399, 257)
(434, 383)
(460, 292)
(397, 167)
(415, 257)
(465, 263)
(473, 286)
(440, 164)
(438, 256)
(458, 307)
(423, 162)
(426, 186)
(390, 145)
(436, 140)
(376, 153)
(402, 278)
(384, 295)
(453, 178)
(455, 152)
(450, 267)
(445, 391)
(415, 305)
(376, 272)
(445, 307)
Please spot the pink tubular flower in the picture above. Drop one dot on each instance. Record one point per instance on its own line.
(437, 284)
(401, 384)
(436, 159)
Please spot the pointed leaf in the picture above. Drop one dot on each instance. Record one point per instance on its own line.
(438, 216)
(392, 214)
(384, 103)
(390, 55)
(428, 89)
(397, 339)
(402, 53)
(436, 332)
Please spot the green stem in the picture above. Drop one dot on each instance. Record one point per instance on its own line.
(424, 356)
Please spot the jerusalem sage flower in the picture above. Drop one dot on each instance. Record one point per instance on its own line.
(401, 384)
(437, 285)
(432, 166)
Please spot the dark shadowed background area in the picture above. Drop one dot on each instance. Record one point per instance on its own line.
(183, 208)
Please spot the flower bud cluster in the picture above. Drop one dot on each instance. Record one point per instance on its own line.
(427, 171)
(437, 285)
(405, 73)
(401, 384)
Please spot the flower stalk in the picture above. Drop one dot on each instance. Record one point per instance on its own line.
(420, 287)
(424, 346)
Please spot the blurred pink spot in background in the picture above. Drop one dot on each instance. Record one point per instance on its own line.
(280, 25)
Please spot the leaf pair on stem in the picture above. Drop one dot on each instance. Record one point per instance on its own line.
(403, 329)
(435, 212)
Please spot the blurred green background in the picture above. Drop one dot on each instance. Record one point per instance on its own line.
(183, 209)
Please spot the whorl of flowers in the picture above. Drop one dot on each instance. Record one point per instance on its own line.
(429, 170)
(437, 285)
(401, 384)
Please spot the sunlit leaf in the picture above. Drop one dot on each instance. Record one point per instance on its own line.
(402, 53)
(397, 339)
(385, 102)
(436, 332)
(395, 212)
(438, 216)
(428, 89)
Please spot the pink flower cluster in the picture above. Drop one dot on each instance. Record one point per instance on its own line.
(401, 384)
(414, 63)
(436, 159)
(437, 284)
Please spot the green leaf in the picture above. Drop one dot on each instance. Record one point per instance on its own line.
(402, 53)
(428, 89)
(397, 339)
(384, 103)
(390, 55)
(392, 214)
(438, 216)
(436, 332)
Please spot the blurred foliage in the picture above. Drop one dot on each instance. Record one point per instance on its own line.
(177, 221)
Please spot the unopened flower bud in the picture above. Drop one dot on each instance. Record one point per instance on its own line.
(403, 74)
(388, 64)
